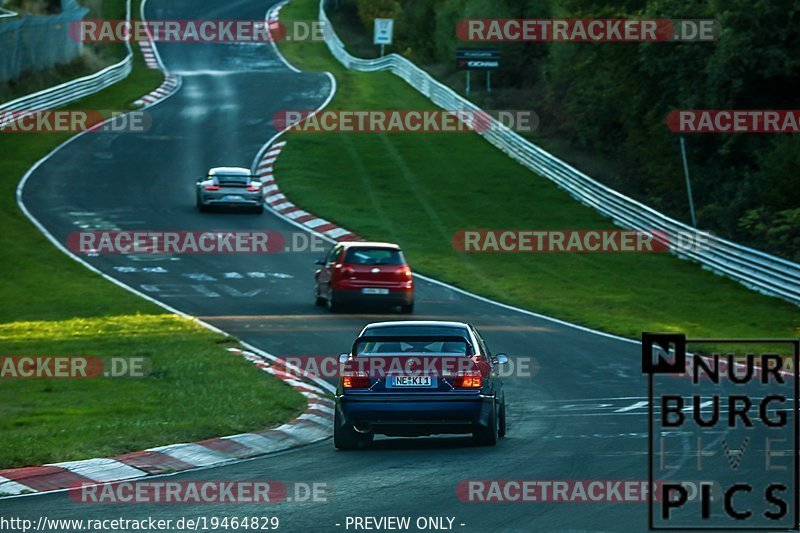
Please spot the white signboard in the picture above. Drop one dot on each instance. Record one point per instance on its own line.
(383, 31)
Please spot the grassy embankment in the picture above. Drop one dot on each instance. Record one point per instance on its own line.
(51, 305)
(418, 189)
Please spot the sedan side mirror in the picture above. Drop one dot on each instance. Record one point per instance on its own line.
(343, 358)
(500, 359)
(320, 262)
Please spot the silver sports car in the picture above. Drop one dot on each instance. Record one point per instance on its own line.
(230, 187)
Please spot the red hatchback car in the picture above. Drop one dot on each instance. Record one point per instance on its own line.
(366, 273)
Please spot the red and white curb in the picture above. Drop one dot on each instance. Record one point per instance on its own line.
(315, 424)
(171, 84)
(149, 53)
(276, 201)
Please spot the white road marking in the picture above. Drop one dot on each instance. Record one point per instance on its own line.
(702, 405)
(631, 407)
(198, 276)
(240, 294)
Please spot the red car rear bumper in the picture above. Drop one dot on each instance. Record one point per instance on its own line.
(400, 293)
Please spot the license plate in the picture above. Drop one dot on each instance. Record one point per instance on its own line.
(232, 198)
(412, 381)
(374, 291)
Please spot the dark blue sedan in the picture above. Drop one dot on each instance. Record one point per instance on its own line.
(417, 378)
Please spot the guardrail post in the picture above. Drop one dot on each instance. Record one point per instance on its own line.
(688, 182)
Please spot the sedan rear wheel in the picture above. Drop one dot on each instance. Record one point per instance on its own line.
(501, 430)
(345, 437)
(488, 436)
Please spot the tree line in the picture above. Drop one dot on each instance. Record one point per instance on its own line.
(612, 99)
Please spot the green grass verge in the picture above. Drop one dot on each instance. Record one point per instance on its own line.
(196, 390)
(51, 305)
(419, 189)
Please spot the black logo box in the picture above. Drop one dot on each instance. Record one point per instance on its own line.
(676, 342)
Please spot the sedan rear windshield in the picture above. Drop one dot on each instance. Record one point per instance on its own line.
(412, 347)
(376, 348)
(416, 331)
(373, 256)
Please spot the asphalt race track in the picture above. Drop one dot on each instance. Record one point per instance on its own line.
(581, 415)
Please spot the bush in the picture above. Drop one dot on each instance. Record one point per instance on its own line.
(369, 10)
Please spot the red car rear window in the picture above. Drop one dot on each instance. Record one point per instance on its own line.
(373, 256)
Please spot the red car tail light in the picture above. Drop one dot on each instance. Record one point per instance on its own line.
(211, 187)
(355, 380)
(348, 270)
(468, 380)
(254, 187)
(404, 271)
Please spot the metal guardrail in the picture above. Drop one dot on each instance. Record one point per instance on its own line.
(73, 90)
(757, 270)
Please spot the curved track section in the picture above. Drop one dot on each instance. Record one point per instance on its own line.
(563, 421)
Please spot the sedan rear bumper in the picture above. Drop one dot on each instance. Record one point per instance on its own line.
(400, 415)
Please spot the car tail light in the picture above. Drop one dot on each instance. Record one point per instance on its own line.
(468, 380)
(348, 270)
(254, 187)
(355, 380)
(404, 271)
(211, 187)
